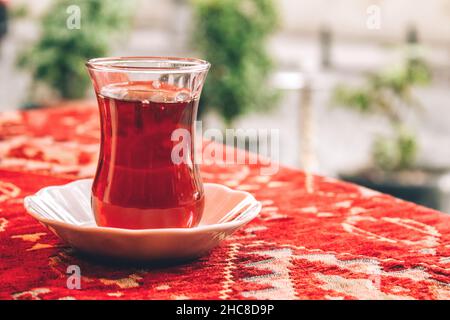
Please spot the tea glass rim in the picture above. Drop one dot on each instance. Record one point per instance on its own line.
(156, 64)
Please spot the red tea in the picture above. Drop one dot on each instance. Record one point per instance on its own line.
(137, 185)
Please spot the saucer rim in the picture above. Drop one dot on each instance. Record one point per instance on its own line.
(254, 210)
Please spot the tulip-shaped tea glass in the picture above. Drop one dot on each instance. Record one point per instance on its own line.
(147, 175)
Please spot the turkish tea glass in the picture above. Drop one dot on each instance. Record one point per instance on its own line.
(147, 175)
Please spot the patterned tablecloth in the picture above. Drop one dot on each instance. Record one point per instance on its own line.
(340, 241)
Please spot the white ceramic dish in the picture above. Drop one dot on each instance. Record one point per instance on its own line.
(66, 211)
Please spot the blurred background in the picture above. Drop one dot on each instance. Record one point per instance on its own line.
(359, 89)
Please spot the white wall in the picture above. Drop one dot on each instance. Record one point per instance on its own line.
(348, 18)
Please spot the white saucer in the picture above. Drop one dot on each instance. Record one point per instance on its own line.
(66, 211)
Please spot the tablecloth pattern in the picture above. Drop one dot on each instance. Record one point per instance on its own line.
(333, 240)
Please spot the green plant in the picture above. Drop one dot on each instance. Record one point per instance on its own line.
(58, 57)
(232, 34)
(389, 93)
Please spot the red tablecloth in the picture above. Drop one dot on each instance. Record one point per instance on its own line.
(339, 242)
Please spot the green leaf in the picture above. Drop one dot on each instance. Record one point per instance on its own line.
(57, 58)
(232, 35)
